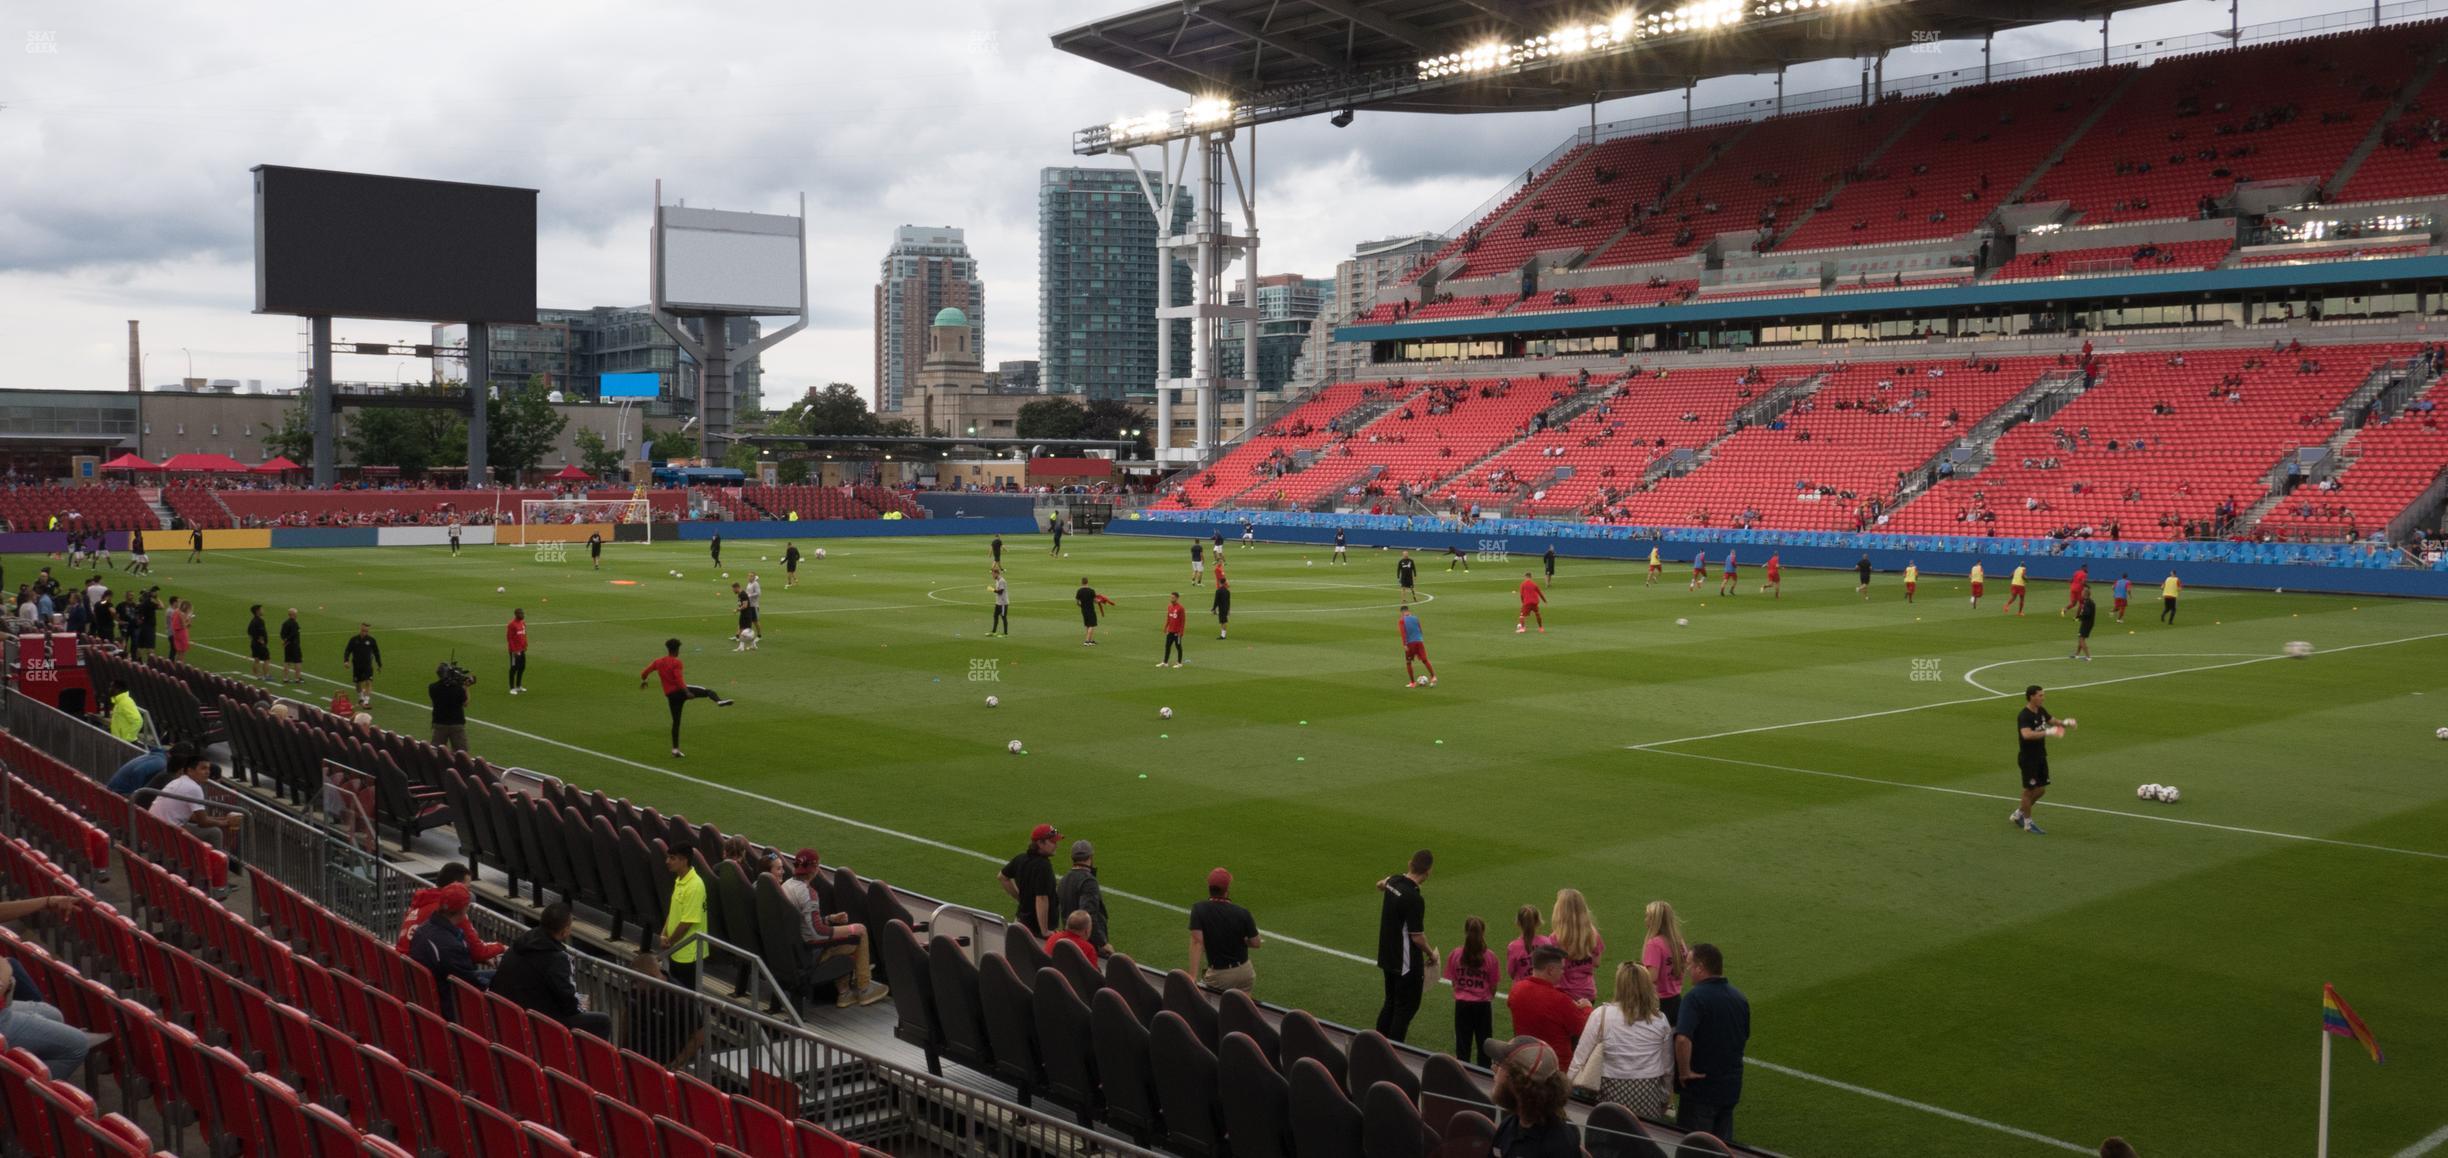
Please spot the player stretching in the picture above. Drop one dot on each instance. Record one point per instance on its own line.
(746, 639)
(1732, 582)
(2122, 589)
(1339, 545)
(2086, 613)
(1531, 597)
(1001, 623)
(1699, 571)
(1657, 566)
(1222, 604)
(1979, 577)
(515, 636)
(1912, 579)
(676, 688)
(1198, 563)
(2035, 728)
(1249, 535)
(2075, 588)
(1177, 620)
(1457, 557)
(2014, 591)
(1776, 577)
(2168, 589)
(1415, 646)
(1862, 569)
(1089, 601)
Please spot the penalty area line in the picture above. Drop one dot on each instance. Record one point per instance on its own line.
(2434, 1141)
(2178, 820)
(973, 854)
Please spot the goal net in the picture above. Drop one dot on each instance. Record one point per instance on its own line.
(633, 512)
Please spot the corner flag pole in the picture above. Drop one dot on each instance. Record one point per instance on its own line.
(2322, 1148)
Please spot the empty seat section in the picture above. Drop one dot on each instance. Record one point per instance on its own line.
(1767, 177)
(2163, 257)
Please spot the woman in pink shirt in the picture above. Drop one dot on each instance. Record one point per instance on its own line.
(1665, 955)
(180, 615)
(1472, 969)
(1576, 932)
(1517, 954)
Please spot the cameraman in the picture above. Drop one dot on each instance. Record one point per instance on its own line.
(449, 695)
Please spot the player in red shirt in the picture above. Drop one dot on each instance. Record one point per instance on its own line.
(517, 636)
(1776, 578)
(1177, 620)
(676, 688)
(1531, 597)
(1731, 582)
(2074, 589)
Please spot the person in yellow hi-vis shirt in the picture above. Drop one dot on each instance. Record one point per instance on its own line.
(1912, 579)
(127, 723)
(2014, 590)
(1979, 576)
(687, 915)
(1655, 566)
(2168, 589)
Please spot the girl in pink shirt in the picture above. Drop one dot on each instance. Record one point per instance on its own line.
(1576, 932)
(180, 614)
(1472, 969)
(1517, 954)
(1665, 955)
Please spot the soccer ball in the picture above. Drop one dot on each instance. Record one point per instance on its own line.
(818, 552)
(1308, 562)
(993, 702)
(726, 574)
(2299, 649)
(499, 590)
(747, 635)
(677, 575)
(1167, 713)
(1013, 747)
(2169, 795)
(2147, 792)
(1682, 623)
(2442, 733)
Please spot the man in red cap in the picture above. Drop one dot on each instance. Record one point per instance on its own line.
(831, 935)
(442, 948)
(1221, 937)
(424, 902)
(1028, 879)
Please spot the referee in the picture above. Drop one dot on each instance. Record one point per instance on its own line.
(2034, 728)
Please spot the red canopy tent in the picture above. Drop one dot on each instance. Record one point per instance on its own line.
(204, 464)
(279, 464)
(571, 473)
(128, 462)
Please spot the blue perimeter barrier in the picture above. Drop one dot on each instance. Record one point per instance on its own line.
(1526, 540)
(324, 537)
(857, 528)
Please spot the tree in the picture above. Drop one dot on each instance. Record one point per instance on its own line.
(412, 440)
(837, 409)
(742, 457)
(666, 445)
(521, 427)
(1109, 418)
(597, 457)
(1050, 418)
(295, 435)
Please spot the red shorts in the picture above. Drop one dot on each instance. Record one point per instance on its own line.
(1912, 585)
(1976, 590)
(1418, 651)
(2017, 589)
(2120, 607)
(1530, 608)
(1775, 577)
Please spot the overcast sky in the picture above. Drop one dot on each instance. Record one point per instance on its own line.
(127, 130)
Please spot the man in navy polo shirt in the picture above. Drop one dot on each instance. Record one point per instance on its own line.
(1710, 1031)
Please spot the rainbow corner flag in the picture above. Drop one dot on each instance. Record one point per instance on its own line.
(2339, 1018)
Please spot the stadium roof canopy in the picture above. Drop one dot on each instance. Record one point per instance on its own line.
(1278, 59)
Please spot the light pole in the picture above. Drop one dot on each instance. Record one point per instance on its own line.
(190, 360)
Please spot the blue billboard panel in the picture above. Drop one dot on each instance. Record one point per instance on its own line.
(637, 385)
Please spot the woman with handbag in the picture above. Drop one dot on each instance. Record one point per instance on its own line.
(1626, 1052)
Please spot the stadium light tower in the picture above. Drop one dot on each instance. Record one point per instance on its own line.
(1208, 245)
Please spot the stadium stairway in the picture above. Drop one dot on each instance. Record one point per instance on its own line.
(2342, 182)
(2057, 155)
(1829, 196)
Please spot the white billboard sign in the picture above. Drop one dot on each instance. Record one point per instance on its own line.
(723, 262)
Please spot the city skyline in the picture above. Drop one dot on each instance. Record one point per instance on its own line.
(132, 138)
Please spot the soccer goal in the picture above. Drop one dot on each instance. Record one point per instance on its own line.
(632, 517)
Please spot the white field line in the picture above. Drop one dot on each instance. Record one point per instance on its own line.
(2248, 657)
(2161, 818)
(1152, 902)
(2436, 1139)
(1655, 745)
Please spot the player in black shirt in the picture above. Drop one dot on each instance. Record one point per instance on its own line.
(1089, 601)
(1406, 573)
(1455, 555)
(259, 643)
(2084, 613)
(1198, 563)
(1863, 569)
(195, 544)
(293, 651)
(997, 548)
(1222, 606)
(595, 551)
(715, 545)
(1028, 879)
(2034, 728)
(1338, 552)
(1550, 559)
(790, 566)
(364, 657)
(1054, 524)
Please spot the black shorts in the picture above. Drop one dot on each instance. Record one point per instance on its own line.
(258, 651)
(2083, 631)
(1088, 616)
(2035, 777)
(292, 655)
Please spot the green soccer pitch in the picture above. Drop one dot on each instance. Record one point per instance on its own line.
(1820, 784)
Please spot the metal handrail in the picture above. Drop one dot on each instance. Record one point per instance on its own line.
(756, 962)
